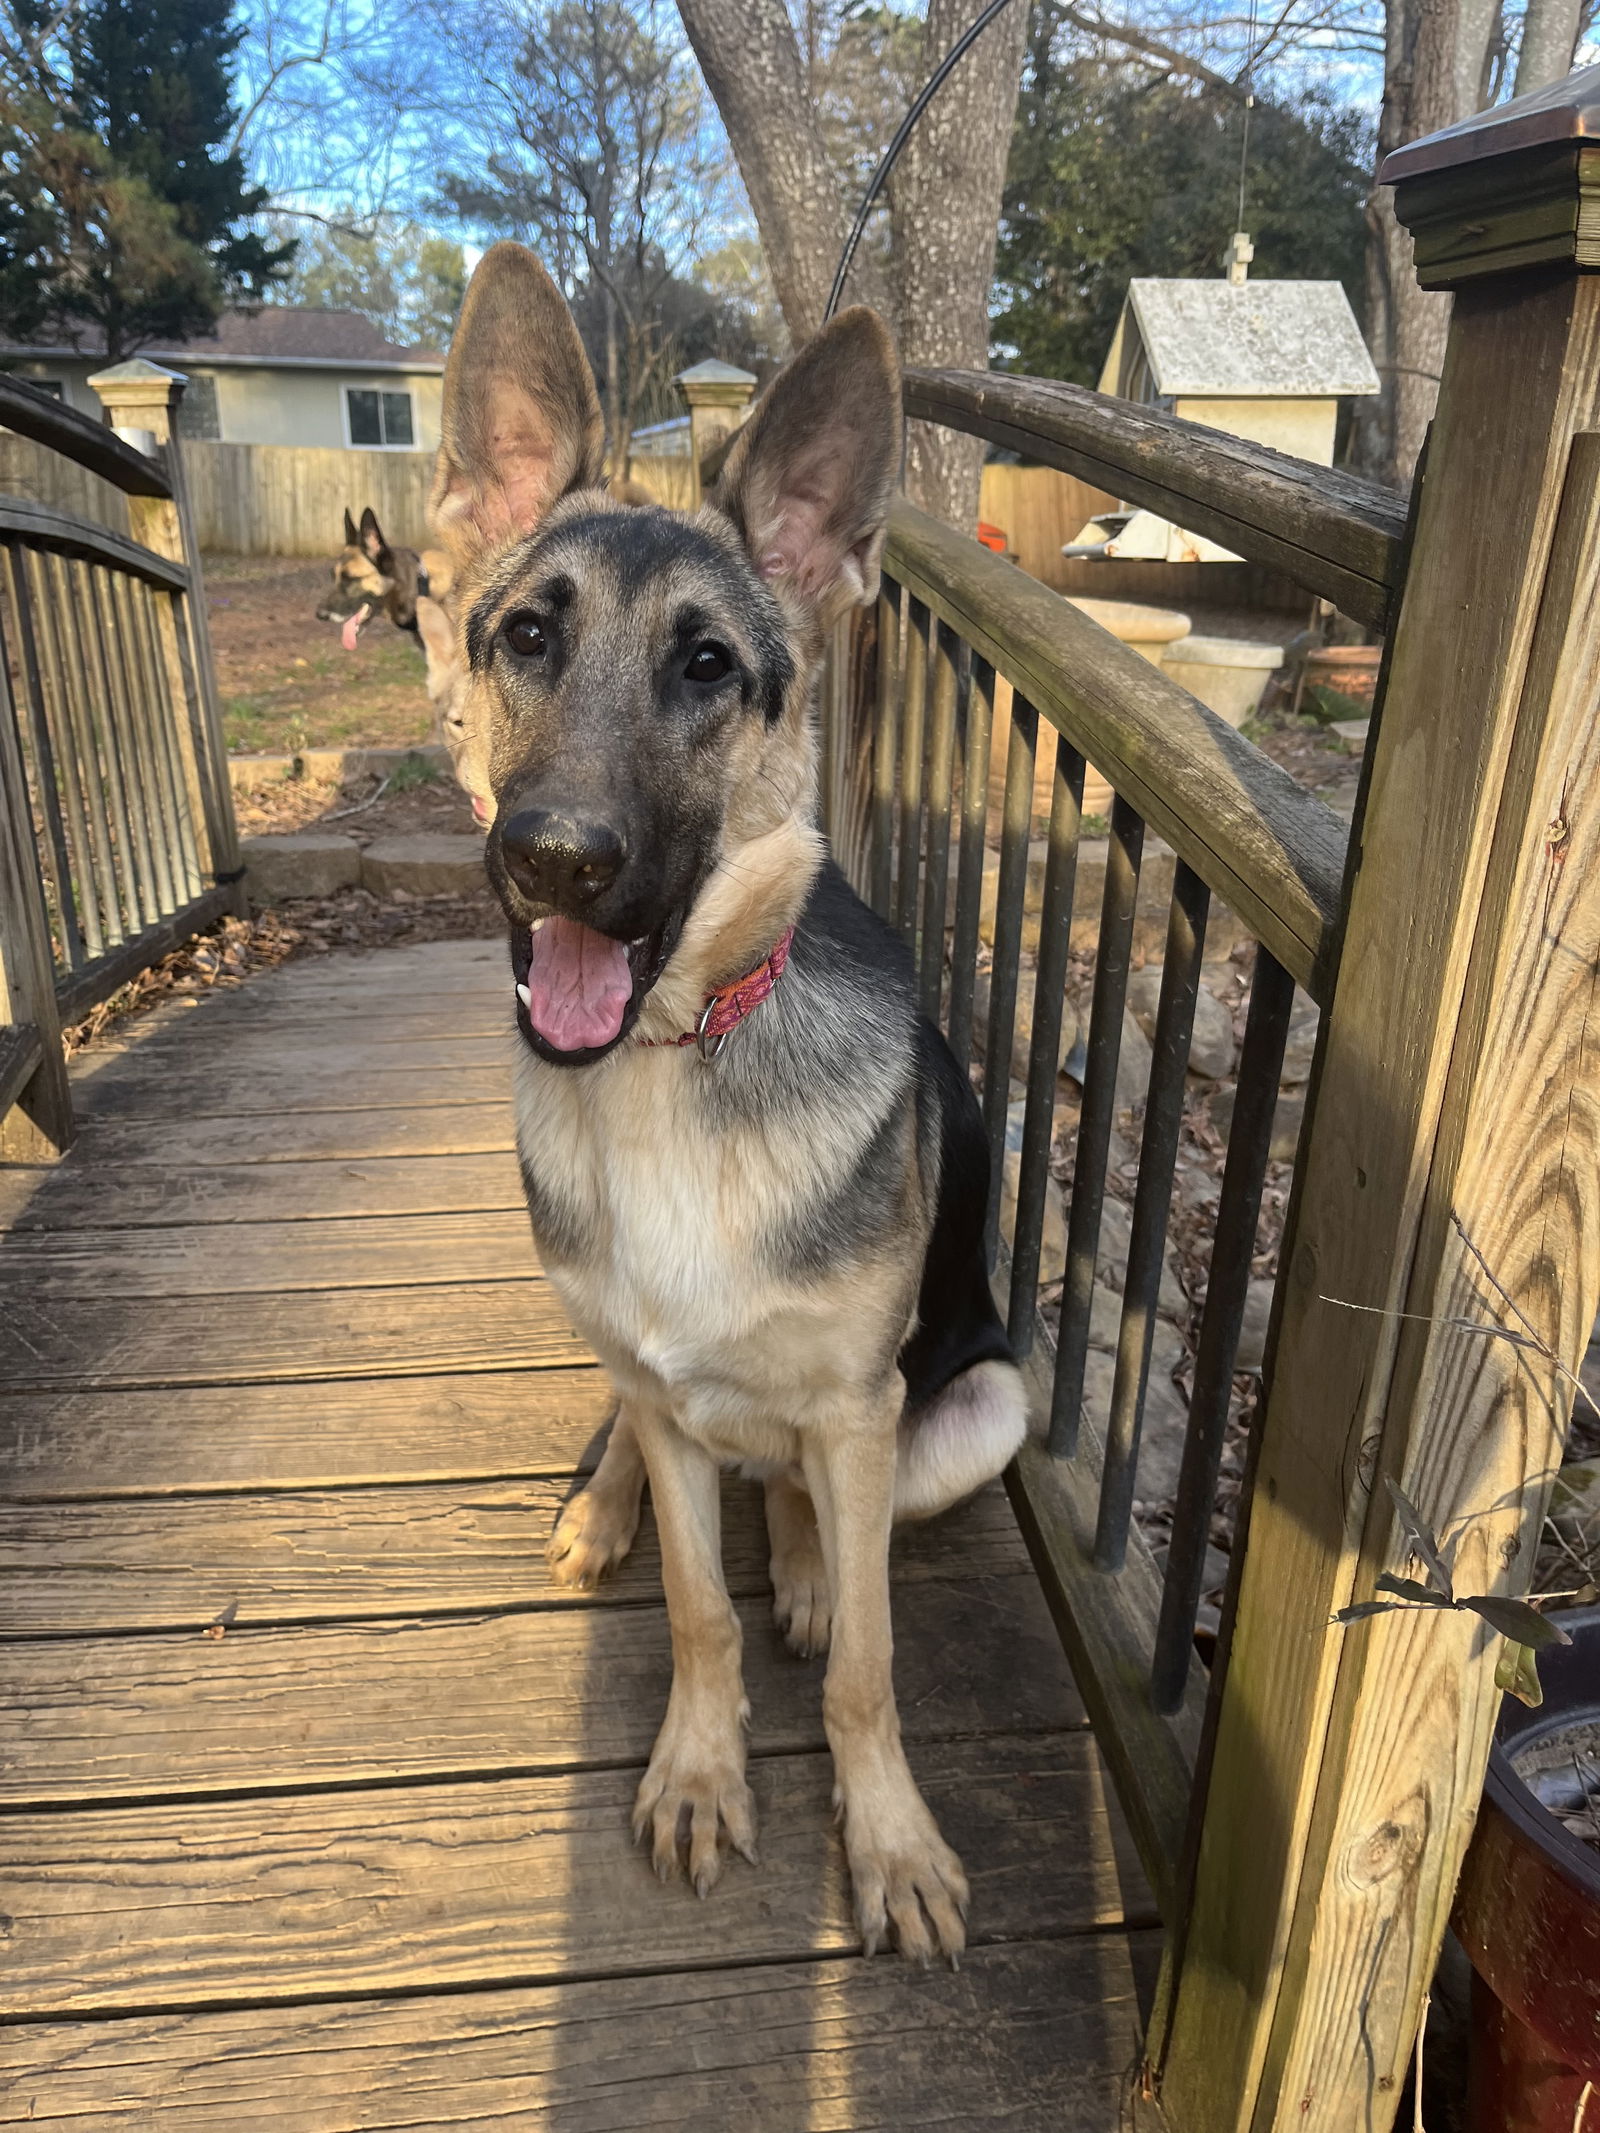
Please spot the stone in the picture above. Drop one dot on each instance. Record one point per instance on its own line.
(248, 773)
(1197, 1186)
(1088, 892)
(341, 765)
(1022, 1026)
(1287, 1120)
(1301, 1043)
(306, 863)
(432, 863)
(1134, 1061)
(1111, 1261)
(1253, 1327)
(1210, 1046)
(1161, 1431)
(1053, 1236)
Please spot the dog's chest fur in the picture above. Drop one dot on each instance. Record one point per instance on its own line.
(674, 1229)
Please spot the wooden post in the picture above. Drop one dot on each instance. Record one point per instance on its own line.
(40, 1126)
(1449, 1194)
(719, 397)
(141, 400)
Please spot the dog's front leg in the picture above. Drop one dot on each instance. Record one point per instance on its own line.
(903, 1873)
(596, 1529)
(697, 1766)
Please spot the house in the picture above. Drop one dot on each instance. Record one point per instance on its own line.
(1269, 360)
(286, 374)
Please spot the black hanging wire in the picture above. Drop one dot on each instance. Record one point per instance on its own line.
(880, 176)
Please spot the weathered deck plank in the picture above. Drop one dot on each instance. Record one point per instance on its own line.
(1036, 2038)
(298, 1189)
(346, 1333)
(345, 1252)
(326, 1433)
(423, 1887)
(131, 1718)
(375, 1553)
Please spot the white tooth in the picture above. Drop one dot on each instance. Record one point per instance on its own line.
(522, 995)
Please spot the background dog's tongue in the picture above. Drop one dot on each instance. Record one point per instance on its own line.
(352, 626)
(579, 985)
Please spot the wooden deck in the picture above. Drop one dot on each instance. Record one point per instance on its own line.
(274, 1348)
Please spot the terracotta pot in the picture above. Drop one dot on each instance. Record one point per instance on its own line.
(1528, 1908)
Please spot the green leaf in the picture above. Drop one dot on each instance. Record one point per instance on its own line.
(1518, 1621)
(1362, 1609)
(1409, 1589)
(1423, 1544)
(1517, 1673)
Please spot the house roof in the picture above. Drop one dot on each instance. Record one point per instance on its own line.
(1267, 339)
(299, 336)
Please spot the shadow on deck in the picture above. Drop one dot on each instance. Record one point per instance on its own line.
(275, 1348)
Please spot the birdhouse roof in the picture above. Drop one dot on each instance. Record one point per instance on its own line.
(1267, 339)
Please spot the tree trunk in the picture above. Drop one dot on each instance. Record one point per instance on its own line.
(1435, 64)
(1549, 43)
(751, 61)
(945, 219)
(945, 208)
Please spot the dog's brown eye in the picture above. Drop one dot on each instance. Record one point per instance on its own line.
(712, 662)
(525, 637)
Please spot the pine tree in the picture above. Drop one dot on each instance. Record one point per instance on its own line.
(121, 204)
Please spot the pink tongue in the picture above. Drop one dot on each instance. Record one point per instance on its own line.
(579, 985)
(352, 627)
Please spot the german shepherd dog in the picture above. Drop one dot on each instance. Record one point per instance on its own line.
(756, 1175)
(369, 574)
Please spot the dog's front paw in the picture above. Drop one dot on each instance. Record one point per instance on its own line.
(905, 1878)
(693, 1791)
(592, 1536)
(801, 1604)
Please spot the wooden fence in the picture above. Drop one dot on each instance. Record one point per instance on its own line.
(1303, 1810)
(117, 836)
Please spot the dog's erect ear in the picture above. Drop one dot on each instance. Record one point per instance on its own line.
(810, 477)
(521, 421)
(373, 545)
(351, 537)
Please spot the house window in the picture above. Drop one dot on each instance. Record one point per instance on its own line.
(52, 386)
(197, 410)
(381, 421)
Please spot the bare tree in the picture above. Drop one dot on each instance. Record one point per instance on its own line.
(944, 204)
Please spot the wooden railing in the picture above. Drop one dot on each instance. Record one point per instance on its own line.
(1302, 1807)
(116, 830)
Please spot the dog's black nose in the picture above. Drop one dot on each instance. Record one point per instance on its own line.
(558, 857)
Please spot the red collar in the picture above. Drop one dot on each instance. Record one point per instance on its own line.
(727, 1007)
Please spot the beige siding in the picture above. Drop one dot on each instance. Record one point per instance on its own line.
(1303, 427)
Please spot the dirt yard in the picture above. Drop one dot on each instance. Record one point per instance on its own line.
(284, 679)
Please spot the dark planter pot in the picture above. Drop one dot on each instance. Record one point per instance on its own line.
(1528, 1909)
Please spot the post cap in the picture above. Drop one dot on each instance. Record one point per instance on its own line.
(1514, 187)
(137, 379)
(714, 384)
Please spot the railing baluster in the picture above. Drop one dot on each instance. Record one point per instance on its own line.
(913, 716)
(969, 873)
(142, 713)
(1117, 914)
(1010, 891)
(126, 741)
(885, 743)
(164, 715)
(1232, 1250)
(1158, 1155)
(97, 882)
(941, 778)
(87, 679)
(46, 778)
(79, 802)
(1049, 990)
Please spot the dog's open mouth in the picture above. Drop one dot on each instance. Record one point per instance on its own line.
(353, 625)
(580, 991)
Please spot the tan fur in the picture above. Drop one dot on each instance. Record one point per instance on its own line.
(658, 1214)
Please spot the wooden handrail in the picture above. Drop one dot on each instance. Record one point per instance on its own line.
(1271, 850)
(42, 527)
(90, 444)
(1331, 531)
